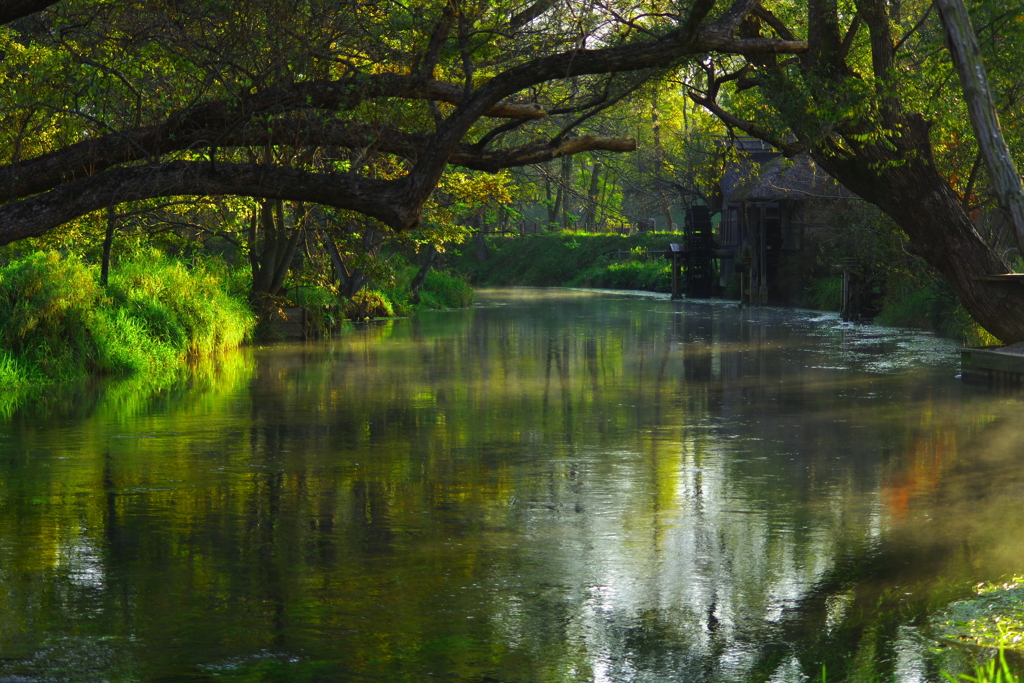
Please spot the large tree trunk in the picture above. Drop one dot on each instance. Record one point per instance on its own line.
(590, 215)
(272, 252)
(924, 205)
(421, 275)
(963, 46)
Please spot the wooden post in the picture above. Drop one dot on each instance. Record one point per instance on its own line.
(676, 251)
(108, 240)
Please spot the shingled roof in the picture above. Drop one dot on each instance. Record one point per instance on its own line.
(781, 178)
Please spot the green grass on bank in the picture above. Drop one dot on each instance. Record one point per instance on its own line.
(441, 290)
(58, 324)
(604, 260)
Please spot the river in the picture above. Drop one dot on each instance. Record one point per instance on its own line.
(549, 486)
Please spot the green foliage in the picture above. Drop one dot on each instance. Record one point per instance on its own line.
(58, 324)
(826, 294)
(444, 290)
(994, 618)
(653, 275)
(578, 258)
(368, 304)
(323, 311)
(931, 305)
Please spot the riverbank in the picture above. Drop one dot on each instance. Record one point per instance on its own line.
(158, 315)
(569, 259)
(58, 324)
(901, 296)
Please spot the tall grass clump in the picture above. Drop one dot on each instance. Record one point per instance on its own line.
(443, 290)
(180, 312)
(45, 303)
(58, 324)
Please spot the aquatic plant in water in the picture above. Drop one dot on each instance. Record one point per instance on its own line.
(995, 618)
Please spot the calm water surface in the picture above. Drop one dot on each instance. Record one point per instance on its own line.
(551, 486)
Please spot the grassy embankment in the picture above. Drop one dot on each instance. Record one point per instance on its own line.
(441, 290)
(607, 261)
(57, 324)
(157, 315)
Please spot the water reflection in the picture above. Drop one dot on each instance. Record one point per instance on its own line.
(549, 487)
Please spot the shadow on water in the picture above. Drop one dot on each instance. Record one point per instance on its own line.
(548, 487)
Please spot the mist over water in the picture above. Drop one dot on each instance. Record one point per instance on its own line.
(550, 486)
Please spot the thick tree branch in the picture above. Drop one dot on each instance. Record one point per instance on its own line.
(494, 161)
(519, 20)
(767, 17)
(386, 201)
(747, 127)
(390, 202)
(876, 16)
(824, 40)
(217, 123)
(10, 10)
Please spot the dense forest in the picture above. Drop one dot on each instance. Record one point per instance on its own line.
(174, 174)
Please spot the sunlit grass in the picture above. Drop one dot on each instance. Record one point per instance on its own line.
(57, 324)
(444, 290)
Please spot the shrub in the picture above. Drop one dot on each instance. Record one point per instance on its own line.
(324, 315)
(443, 290)
(826, 294)
(368, 304)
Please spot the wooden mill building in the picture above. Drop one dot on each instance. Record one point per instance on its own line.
(767, 205)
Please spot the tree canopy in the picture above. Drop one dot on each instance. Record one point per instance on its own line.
(113, 102)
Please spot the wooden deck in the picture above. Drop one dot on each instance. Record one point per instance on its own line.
(997, 366)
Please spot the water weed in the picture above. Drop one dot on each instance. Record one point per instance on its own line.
(993, 619)
(995, 670)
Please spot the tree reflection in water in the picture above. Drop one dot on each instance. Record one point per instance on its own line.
(551, 486)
